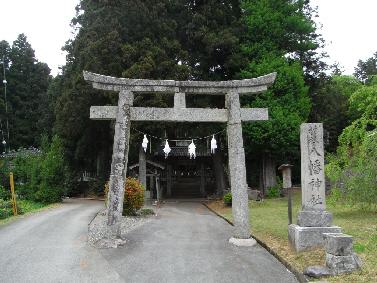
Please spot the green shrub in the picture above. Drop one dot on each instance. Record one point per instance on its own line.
(133, 196)
(335, 197)
(4, 193)
(41, 178)
(146, 212)
(273, 192)
(6, 209)
(228, 199)
(353, 169)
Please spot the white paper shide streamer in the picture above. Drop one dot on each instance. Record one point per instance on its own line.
(213, 144)
(145, 143)
(191, 150)
(167, 149)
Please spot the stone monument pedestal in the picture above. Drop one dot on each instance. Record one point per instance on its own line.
(311, 225)
(304, 238)
(340, 257)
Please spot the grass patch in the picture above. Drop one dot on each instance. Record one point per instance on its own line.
(146, 212)
(26, 207)
(269, 221)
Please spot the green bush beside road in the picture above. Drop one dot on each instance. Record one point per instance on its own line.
(23, 207)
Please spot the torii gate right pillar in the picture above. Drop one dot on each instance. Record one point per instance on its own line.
(237, 167)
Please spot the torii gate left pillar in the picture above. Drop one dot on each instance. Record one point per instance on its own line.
(233, 115)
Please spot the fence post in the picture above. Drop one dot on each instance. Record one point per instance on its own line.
(287, 184)
(14, 202)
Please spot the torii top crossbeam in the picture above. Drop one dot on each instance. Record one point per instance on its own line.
(247, 86)
(180, 88)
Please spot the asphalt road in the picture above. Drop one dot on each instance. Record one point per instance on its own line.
(184, 243)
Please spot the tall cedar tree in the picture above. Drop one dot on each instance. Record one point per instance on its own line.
(140, 39)
(28, 81)
(4, 57)
(366, 69)
(280, 37)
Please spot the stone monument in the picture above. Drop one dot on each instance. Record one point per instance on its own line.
(340, 257)
(313, 220)
(286, 170)
(233, 116)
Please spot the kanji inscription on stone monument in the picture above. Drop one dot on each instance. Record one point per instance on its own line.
(312, 165)
(232, 115)
(313, 220)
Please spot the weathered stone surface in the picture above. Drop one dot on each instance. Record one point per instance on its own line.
(317, 271)
(147, 196)
(142, 168)
(287, 175)
(338, 244)
(237, 168)
(177, 114)
(254, 114)
(243, 242)
(247, 86)
(312, 167)
(119, 162)
(304, 238)
(254, 194)
(314, 218)
(158, 189)
(110, 243)
(179, 100)
(343, 264)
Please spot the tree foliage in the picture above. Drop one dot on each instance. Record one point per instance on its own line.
(171, 40)
(331, 103)
(363, 101)
(280, 37)
(366, 69)
(353, 169)
(288, 106)
(27, 83)
(42, 177)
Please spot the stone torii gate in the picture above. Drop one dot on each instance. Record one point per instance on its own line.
(233, 115)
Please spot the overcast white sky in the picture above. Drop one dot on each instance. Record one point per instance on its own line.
(349, 28)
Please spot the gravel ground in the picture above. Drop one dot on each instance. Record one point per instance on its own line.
(97, 230)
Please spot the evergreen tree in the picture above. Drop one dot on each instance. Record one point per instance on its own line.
(331, 101)
(281, 37)
(4, 57)
(366, 69)
(210, 32)
(27, 81)
(139, 39)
